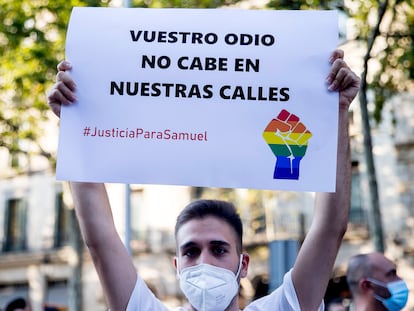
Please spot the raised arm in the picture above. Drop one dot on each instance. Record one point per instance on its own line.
(317, 255)
(112, 262)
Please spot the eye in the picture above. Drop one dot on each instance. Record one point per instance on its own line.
(191, 252)
(392, 274)
(219, 250)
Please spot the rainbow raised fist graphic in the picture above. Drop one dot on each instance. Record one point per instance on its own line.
(288, 139)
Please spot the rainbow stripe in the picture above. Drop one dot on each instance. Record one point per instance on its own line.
(288, 139)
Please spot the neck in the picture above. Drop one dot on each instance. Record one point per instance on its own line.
(233, 306)
(365, 305)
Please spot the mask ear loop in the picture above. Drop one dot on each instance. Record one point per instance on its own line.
(378, 283)
(240, 266)
(177, 268)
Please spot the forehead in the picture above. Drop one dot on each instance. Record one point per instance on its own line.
(382, 266)
(204, 230)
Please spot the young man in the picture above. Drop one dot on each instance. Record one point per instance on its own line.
(209, 246)
(374, 283)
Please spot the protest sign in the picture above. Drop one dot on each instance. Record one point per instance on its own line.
(201, 97)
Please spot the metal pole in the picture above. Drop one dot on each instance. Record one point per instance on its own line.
(127, 4)
(128, 218)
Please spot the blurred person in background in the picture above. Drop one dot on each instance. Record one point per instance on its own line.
(375, 284)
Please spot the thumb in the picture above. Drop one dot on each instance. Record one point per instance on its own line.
(64, 65)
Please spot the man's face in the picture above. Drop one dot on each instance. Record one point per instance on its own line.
(384, 271)
(208, 240)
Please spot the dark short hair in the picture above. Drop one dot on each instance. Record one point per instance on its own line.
(359, 267)
(16, 303)
(223, 210)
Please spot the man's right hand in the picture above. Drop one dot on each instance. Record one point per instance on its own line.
(63, 91)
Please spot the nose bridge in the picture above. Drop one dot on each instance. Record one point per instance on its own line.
(206, 257)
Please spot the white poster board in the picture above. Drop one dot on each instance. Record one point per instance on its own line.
(201, 97)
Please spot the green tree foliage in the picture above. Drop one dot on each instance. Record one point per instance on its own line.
(205, 4)
(391, 57)
(31, 43)
(305, 4)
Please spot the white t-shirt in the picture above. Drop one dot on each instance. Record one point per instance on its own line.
(282, 299)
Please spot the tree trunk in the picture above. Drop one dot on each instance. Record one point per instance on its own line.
(374, 208)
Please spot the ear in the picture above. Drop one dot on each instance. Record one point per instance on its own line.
(245, 265)
(175, 262)
(365, 285)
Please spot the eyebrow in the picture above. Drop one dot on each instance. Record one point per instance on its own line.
(212, 243)
(219, 243)
(391, 272)
(187, 245)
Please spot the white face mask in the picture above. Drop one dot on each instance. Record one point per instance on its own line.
(209, 288)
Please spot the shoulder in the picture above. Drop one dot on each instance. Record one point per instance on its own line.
(281, 299)
(143, 299)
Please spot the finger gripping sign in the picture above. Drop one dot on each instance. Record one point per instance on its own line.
(165, 96)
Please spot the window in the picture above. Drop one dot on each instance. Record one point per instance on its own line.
(15, 225)
(10, 290)
(57, 293)
(62, 222)
(357, 214)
